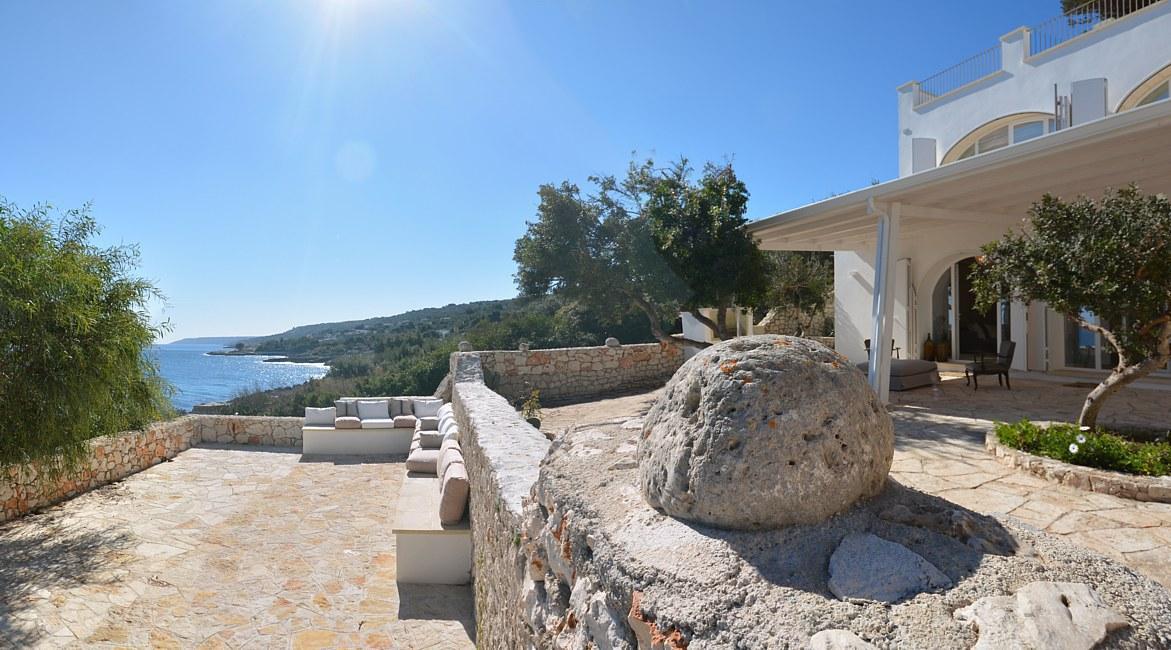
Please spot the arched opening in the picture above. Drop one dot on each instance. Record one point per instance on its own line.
(958, 322)
(1000, 133)
(1157, 87)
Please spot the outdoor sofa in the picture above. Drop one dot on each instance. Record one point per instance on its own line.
(433, 542)
(366, 425)
(906, 374)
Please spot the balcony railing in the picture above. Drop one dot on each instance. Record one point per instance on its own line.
(1079, 20)
(1041, 38)
(959, 75)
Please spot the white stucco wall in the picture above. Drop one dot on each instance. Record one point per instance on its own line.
(1125, 52)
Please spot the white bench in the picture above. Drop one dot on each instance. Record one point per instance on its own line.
(426, 551)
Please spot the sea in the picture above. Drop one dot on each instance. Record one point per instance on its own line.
(199, 377)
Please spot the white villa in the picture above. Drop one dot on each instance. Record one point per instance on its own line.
(1072, 106)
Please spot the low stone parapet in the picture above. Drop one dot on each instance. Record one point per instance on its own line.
(503, 455)
(571, 374)
(1126, 486)
(114, 457)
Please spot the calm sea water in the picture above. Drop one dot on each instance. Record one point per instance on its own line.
(199, 377)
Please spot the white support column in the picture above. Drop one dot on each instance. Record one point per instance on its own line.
(883, 304)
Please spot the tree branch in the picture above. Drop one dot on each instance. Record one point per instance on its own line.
(709, 323)
(1108, 335)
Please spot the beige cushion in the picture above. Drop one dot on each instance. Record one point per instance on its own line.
(320, 417)
(444, 425)
(373, 409)
(429, 439)
(348, 422)
(426, 406)
(343, 408)
(449, 454)
(405, 422)
(377, 423)
(452, 434)
(402, 406)
(453, 494)
(423, 460)
(446, 409)
(428, 424)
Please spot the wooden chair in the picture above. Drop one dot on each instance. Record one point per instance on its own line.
(893, 350)
(986, 364)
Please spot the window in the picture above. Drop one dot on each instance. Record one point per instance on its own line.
(1004, 136)
(1161, 92)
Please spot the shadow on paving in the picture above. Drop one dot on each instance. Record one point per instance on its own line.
(38, 552)
(437, 602)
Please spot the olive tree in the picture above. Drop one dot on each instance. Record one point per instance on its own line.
(1106, 265)
(73, 332)
(593, 251)
(701, 228)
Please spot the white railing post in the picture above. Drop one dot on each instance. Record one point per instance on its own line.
(882, 308)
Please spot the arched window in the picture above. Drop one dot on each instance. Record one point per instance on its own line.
(1156, 88)
(999, 133)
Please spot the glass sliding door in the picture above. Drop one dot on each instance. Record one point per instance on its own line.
(976, 328)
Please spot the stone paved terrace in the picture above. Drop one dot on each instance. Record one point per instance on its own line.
(224, 548)
(939, 449)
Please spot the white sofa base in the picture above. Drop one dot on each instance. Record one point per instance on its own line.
(355, 442)
(426, 551)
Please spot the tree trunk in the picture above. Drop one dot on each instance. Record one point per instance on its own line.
(656, 322)
(707, 322)
(1122, 376)
(721, 322)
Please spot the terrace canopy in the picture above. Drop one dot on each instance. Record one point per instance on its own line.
(992, 189)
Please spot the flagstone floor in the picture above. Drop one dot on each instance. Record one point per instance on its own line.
(939, 449)
(224, 548)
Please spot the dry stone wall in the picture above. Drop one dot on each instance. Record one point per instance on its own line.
(503, 455)
(569, 374)
(112, 458)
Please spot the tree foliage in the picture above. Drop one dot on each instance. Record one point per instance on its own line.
(656, 240)
(596, 252)
(1110, 259)
(801, 280)
(700, 228)
(73, 331)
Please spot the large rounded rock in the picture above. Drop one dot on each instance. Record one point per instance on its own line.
(762, 432)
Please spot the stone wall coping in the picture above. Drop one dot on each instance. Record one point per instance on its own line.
(613, 350)
(1126, 486)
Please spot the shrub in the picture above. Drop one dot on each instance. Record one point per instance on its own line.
(1097, 448)
(74, 329)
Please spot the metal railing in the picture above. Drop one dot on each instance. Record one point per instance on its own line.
(959, 75)
(1079, 20)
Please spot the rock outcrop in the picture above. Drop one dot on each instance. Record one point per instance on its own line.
(764, 431)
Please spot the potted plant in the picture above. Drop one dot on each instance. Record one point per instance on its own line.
(531, 409)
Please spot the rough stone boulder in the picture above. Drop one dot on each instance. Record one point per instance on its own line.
(762, 432)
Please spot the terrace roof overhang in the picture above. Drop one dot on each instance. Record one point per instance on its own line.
(995, 188)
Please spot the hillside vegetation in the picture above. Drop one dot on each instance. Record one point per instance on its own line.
(407, 354)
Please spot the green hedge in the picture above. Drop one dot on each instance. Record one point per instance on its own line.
(1095, 448)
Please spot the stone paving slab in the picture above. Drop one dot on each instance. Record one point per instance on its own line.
(224, 548)
(939, 449)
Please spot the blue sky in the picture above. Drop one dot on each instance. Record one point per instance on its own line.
(290, 163)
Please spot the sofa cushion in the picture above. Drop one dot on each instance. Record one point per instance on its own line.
(405, 422)
(453, 494)
(451, 434)
(429, 439)
(423, 460)
(449, 453)
(444, 425)
(446, 409)
(348, 422)
(373, 408)
(377, 423)
(315, 417)
(426, 406)
(402, 406)
(343, 408)
(428, 424)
